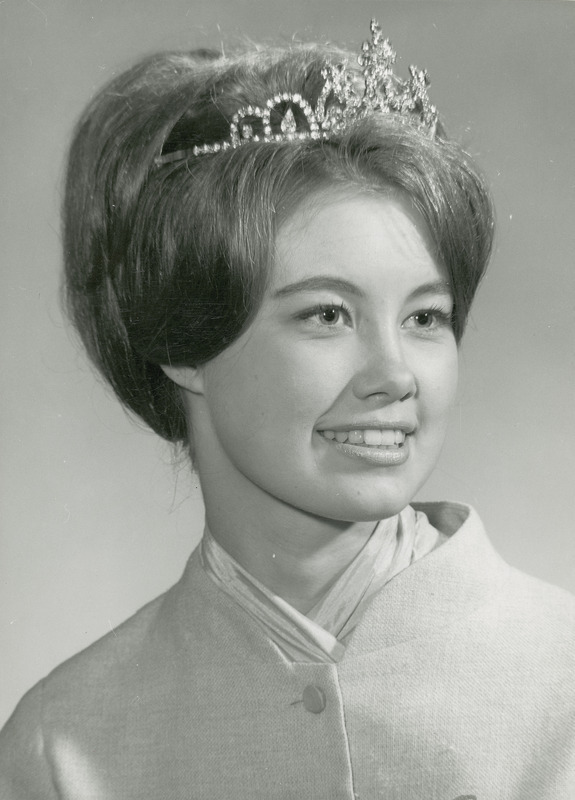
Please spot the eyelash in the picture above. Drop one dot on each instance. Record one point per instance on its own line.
(442, 318)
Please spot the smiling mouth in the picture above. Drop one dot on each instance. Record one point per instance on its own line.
(372, 437)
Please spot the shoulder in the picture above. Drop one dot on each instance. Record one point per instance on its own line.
(98, 670)
(542, 612)
(71, 694)
(468, 567)
(83, 672)
(87, 699)
(183, 632)
(131, 685)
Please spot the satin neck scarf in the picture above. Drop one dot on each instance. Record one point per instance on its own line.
(322, 635)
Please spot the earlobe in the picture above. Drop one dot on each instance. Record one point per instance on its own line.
(189, 378)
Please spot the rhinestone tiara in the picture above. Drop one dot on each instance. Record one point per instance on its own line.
(288, 116)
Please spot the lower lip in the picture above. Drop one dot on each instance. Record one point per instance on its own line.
(382, 456)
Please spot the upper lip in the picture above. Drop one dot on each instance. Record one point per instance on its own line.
(388, 425)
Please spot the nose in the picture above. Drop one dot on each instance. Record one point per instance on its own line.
(384, 371)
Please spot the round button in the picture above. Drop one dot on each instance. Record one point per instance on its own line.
(313, 699)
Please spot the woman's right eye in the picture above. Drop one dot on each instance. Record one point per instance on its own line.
(328, 315)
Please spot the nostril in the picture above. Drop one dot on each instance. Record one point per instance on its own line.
(389, 379)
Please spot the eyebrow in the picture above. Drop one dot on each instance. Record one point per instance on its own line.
(319, 282)
(434, 287)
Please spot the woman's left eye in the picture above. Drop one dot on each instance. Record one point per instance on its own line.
(428, 320)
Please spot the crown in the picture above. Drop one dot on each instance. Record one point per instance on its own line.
(288, 116)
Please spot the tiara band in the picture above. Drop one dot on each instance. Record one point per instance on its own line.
(288, 116)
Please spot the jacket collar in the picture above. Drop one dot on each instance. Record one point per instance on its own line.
(449, 583)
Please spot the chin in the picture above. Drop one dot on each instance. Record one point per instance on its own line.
(367, 503)
(364, 508)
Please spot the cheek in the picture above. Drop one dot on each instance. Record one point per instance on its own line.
(238, 399)
(251, 395)
(278, 392)
(440, 382)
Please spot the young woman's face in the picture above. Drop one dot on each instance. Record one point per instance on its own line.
(337, 397)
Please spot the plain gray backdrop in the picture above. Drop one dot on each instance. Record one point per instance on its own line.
(95, 517)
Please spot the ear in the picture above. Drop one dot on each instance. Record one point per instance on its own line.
(189, 378)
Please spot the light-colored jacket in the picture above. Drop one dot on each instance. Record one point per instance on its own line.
(459, 682)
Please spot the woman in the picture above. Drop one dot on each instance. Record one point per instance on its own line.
(271, 258)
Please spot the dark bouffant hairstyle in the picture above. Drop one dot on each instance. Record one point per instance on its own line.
(167, 264)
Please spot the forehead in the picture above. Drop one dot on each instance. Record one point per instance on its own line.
(357, 236)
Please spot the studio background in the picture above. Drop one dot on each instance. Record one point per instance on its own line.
(96, 519)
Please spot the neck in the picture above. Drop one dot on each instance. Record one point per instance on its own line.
(296, 555)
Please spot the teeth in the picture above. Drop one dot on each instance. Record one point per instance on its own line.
(372, 437)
